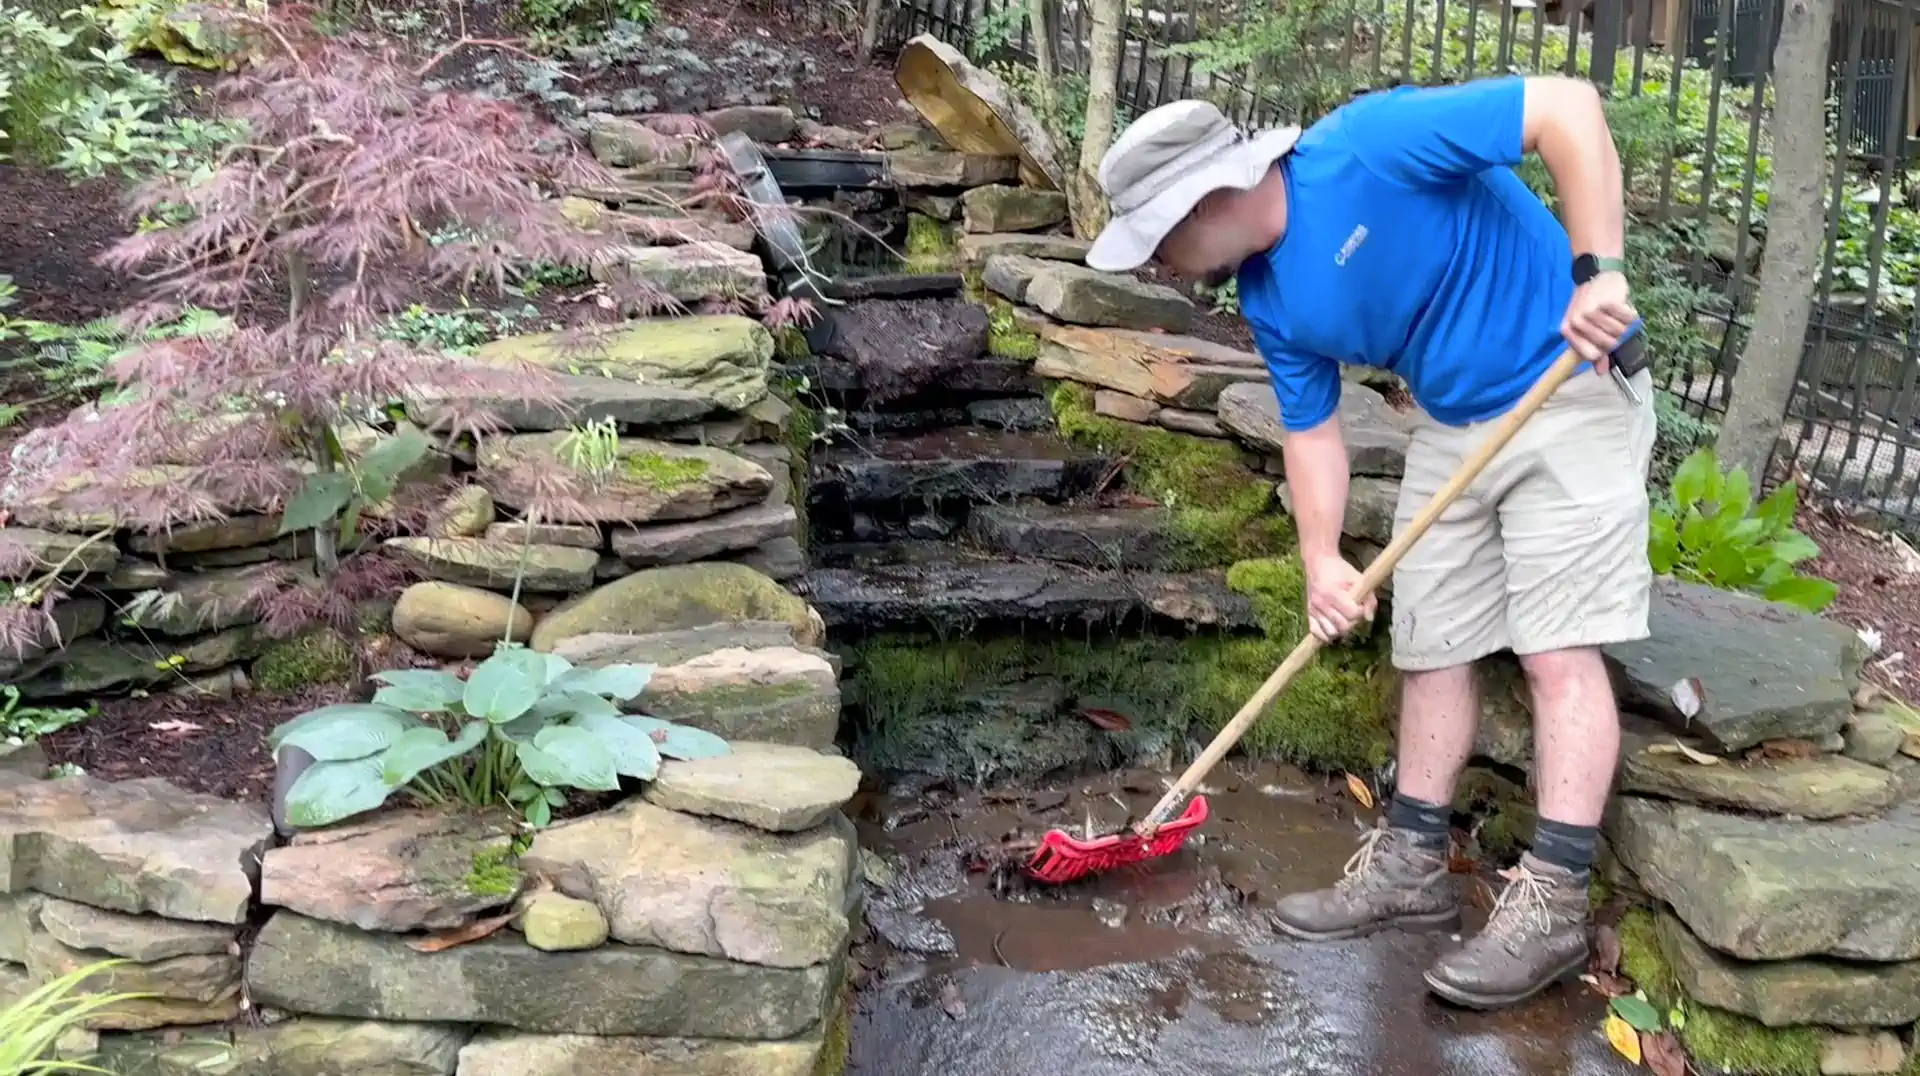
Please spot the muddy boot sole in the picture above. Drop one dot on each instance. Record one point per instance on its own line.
(1430, 921)
(1488, 1002)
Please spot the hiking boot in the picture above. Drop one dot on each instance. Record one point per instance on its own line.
(1390, 882)
(1536, 936)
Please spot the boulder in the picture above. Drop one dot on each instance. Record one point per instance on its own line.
(650, 480)
(703, 539)
(1009, 274)
(1767, 671)
(1371, 503)
(1005, 208)
(395, 871)
(978, 249)
(26, 552)
(1873, 737)
(310, 966)
(973, 110)
(1773, 889)
(144, 939)
(196, 989)
(1793, 993)
(578, 535)
(775, 695)
(320, 1046)
(1376, 437)
(690, 272)
(1087, 296)
(506, 1053)
(722, 359)
(451, 621)
(139, 846)
(555, 923)
(680, 596)
(774, 787)
(705, 887)
(478, 562)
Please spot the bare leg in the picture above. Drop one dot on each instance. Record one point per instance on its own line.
(1576, 733)
(1439, 713)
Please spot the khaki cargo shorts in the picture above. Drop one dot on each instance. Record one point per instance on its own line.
(1547, 550)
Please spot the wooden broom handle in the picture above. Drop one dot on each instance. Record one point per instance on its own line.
(1370, 581)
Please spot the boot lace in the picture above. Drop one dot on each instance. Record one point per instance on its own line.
(1361, 868)
(1522, 908)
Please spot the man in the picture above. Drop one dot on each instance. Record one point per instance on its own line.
(1394, 233)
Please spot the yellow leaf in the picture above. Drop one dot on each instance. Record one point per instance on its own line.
(1625, 1040)
(1360, 791)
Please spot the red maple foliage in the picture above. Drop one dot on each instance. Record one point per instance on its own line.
(356, 186)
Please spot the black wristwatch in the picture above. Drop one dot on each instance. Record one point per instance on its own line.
(1588, 266)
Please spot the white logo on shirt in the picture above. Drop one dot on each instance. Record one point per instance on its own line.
(1352, 244)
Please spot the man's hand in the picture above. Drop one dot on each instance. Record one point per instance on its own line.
(1331, 610)
(1598, 318)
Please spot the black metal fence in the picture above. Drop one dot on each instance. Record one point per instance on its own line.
(1695, 141)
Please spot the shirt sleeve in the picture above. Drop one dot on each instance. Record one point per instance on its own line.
(1438, 135)
(1307, 385)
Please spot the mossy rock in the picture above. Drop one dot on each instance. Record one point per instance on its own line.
(677, 597)
(315, 656)
(1221, 508)
(931, 245)
(1715, 1039)
(836, 1044)
(1006, 338)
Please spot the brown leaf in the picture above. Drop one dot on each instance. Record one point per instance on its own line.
(181, 727)
(1359, 790)
(1106, 720)
(1779, 750)
(1606, 951)
(1608, 985)
(950, 1000)
(457, 936)
(1480, 895)
(1662, 1053)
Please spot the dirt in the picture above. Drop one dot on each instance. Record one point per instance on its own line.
(1170, 967)
(1879, 578)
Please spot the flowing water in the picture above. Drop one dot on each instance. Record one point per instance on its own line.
(1168, 969)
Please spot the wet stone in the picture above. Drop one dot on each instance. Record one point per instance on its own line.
(309, 966)
(777, 695)
(902, 347)
(1828, 786)
(497, 1053)
(971, 464)
(986, 375)
(319, 1046)
(781, 559)
(703, 539)
(144, 939)
(1776, 889)
(1026, 415)
(396, 871)
(1110, 538)
(1768, 671)
(772, 787)
(1084, 296)
(1793, 993)
(1375, 436)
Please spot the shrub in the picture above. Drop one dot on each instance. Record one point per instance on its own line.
(1706, 529)
(522, 729)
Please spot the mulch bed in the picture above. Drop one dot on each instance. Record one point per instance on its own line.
(1879, 590)
(216, 746)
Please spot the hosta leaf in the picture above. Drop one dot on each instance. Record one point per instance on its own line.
(556, 667)
(570, 757)
(634, 752)
(566, 704)
(426, 691)
(539, 813)
(621, 682)
(328, 792)
(504, 686)
(419, 750)
(679, 741)
(343, 733)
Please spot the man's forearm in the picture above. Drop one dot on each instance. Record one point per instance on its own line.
(1566, 125)
(1316, 463)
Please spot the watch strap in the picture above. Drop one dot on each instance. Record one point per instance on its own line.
(1588, 266)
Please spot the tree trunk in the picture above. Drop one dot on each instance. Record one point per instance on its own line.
(1044, 16)
(1789, 271)
(1085, 199)
(870, 28)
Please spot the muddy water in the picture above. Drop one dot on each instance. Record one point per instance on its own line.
(1169, 969)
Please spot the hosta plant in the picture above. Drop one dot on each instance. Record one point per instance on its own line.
(522, 729)
(1707, 529)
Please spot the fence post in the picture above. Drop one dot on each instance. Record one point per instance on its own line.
(1608, 17)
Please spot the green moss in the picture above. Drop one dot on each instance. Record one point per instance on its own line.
(1221, 509)
(495, 873)
(664, 473)
(318, 656)
(930, 245)
(1722, 1040)
(1503, 812)
(837, 1043)
(790, 344)
(802, 429)
(1005, 338)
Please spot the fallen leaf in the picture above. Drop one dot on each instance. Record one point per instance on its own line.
(1690, 754)
(175, 726)
(1106, 720)
(1359, 790)
(1606, 951)
(1607, 984)
(1688, 696)
(1481, 895)
(1663, 1054)
(950, 1001)
(457, 936)
(1781, 750)
(1636, 1011)
(1625, 1040)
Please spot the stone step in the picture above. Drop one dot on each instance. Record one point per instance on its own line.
(1109, 538)
(976, 465)
(926, 587)
(964, 378)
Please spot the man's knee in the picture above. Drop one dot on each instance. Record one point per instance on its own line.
(1560, 671)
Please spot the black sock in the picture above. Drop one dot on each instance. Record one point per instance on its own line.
(1427, 823)
(1571, 848)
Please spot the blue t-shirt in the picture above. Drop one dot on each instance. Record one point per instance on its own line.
(1412, 245)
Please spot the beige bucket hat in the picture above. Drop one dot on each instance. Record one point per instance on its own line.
(1163, 164)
